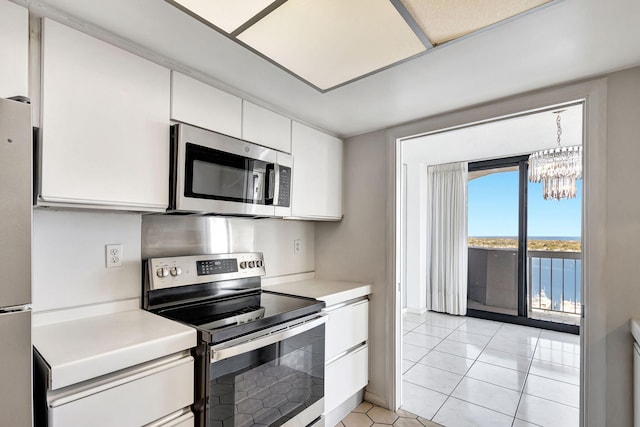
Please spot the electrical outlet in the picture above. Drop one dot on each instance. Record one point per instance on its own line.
(297, 246)
(113, 255)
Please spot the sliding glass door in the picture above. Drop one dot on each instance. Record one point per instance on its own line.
(524, 251)
(496, 247)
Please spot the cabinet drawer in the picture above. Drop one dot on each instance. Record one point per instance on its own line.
(135, 400)
(345, 376)
(346, 327)
(182, 418)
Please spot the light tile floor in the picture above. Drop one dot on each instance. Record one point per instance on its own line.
(461, 371)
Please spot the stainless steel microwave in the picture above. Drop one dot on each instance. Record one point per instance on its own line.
(218, 174)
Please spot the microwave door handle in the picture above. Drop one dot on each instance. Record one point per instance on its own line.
(276, 184)
(255, 187)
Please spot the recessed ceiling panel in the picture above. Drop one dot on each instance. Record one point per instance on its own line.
(331, 42)
(445, 20)
(225, 14)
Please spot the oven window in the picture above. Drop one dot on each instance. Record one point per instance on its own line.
(212, 179)
(214, 174)
(268, 386)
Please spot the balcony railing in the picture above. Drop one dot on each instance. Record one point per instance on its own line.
(554, 281)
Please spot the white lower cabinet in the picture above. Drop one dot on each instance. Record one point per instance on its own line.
(347, 327)
(182, 418)
(346, 352)
(136, 397)
(345, 377)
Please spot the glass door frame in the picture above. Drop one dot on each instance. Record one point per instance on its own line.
(522, 286)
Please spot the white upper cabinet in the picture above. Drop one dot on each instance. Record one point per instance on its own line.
(14, 50)
(265, 127)
(104, 125)
(317, 174)
(204, 106)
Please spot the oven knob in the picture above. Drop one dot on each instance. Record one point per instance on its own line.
(175, 271)
(259, 264)
(251, 264)
(162, 272)
(243, 264)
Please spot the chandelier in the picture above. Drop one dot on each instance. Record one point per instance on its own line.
(558, 169)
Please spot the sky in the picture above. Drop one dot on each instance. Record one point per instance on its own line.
(493, 209)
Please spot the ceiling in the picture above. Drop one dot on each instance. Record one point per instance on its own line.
(511, 136)
(563, 41)
(331, 43)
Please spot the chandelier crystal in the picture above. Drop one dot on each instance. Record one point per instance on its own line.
(558, 169)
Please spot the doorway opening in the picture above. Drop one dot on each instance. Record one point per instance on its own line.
(525, 274)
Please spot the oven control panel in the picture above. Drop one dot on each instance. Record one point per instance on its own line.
(171, 272)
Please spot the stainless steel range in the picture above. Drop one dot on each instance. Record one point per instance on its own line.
(260, 360)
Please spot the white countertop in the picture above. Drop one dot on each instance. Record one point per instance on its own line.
(82, 349)
(330, 291)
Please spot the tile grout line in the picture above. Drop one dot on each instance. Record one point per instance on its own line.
(454, 388)
(526, 380)
(484, 348)
(450, 395)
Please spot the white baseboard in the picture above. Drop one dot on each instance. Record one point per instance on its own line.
(338, 414)
(418, 311)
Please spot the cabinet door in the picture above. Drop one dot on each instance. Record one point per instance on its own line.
(345, 377)
(265, 127)
(346, 327)
(317, 174)
(105, 124)
(14, 49)
(204, 106)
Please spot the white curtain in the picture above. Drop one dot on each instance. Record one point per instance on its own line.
(447, 237)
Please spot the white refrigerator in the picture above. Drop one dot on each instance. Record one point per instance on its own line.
(16, 176)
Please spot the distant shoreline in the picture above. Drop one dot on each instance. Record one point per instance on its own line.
(570, 238)
(533, 244)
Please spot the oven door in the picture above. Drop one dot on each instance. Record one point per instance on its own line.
(215, 173)
(274, 380)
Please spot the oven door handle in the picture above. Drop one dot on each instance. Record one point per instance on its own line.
(234, 348)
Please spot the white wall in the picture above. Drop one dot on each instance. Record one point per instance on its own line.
(622, 269)
(416, 244)
(274, 238)
(621, 272)
(69, 258)
(354, 249)
(350, 249)
(69, 255)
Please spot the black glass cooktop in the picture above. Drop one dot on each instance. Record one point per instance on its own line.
(227, 318)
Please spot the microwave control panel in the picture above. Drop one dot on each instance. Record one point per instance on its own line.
(284, 195)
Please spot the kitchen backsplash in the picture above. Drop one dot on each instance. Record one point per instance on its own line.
(69, 268)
